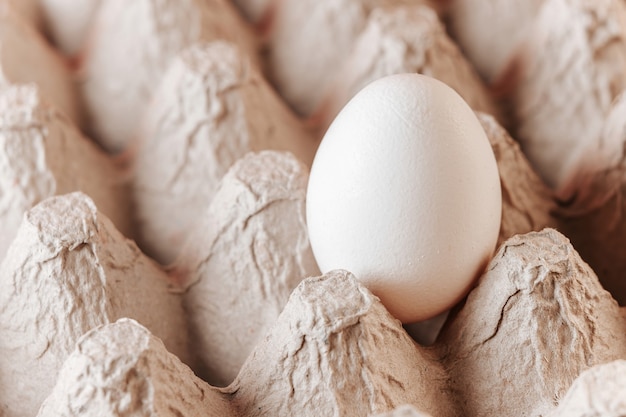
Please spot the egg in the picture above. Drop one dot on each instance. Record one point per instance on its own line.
(404, 192)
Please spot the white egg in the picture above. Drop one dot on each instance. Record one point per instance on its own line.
(404, 192)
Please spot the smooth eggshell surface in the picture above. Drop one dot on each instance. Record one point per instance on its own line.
(405, 193)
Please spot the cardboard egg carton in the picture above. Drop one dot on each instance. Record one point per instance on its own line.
(241, 322)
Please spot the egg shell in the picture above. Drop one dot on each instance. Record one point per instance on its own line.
(404, 192)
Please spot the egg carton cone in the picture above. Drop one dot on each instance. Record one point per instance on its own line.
(595, 219)
(489, 31)
(568, 73)
(122, 369)
(335, 350)
(26, 57)
(537, 319)
(212, 107)
(403, 39)
(67, 22)
(130, 46)
(67, 271)
(249, 251)
(308, 40)
(44, 154)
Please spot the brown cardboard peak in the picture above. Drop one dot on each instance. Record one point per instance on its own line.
(537, 319)
(67, 271)
(212, 107)
(250, 250)
(330, 353)
(122, 369)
